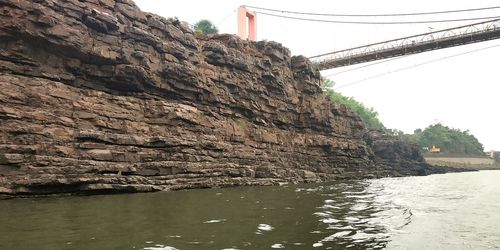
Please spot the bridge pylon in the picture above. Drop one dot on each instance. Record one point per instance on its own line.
(247, 24)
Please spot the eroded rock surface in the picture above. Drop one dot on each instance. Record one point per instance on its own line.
(97, 96)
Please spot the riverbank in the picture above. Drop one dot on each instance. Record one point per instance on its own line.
(468, 162)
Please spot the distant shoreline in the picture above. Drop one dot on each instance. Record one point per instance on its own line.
(457, 161)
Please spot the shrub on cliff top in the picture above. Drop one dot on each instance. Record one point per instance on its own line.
(205, 27)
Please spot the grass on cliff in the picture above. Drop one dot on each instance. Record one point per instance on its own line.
(368, 115)
(241, 123)
(450, 140)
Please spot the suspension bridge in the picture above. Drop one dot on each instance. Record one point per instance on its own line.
(440, 39)
(473, 33)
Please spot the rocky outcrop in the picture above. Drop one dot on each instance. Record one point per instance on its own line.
(400, 158)
(97, 96)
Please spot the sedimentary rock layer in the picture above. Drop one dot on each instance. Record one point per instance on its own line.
(98, 96)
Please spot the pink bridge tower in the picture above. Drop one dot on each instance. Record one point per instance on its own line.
(243, 16)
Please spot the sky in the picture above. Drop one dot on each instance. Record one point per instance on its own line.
(460, 91)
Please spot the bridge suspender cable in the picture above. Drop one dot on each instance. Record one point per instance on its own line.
(374, 15)
(386, 22)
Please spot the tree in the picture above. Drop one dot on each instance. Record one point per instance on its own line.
(368, 115)
(496, 156)
(205, 27)
(450, 140)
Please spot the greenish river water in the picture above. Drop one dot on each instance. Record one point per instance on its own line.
(451, 211)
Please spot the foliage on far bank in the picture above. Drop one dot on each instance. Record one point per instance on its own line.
(205, 27)
(496, 157)
(449, 140)
(368, 115)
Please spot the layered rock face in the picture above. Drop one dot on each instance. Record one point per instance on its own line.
(97, 96)
(400, 158)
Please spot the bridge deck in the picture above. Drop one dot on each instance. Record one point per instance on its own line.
(441, 39)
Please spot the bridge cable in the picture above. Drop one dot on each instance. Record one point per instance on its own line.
(373, 15)
(386, 22)
(368, 65)
(225, 18)
(413, 66)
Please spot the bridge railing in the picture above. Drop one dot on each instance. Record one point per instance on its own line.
(401, 44)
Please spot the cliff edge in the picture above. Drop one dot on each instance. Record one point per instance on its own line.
(97, 96)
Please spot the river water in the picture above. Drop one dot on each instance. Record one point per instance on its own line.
(451, 211)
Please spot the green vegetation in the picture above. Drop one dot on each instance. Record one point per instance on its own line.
(369, 115)
(496, 157)
(450, 140)
(205, 27)
(241, 123)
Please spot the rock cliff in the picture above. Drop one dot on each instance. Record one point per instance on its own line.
(97, 96)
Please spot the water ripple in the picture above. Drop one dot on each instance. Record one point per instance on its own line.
(261, 228)
(358, 217)
(160, 247)
(214, 221)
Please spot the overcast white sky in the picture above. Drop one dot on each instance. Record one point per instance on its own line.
(461, 92)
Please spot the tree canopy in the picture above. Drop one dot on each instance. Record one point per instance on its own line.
(368, 115)
(205, 27)
(450, 140)
(496, 157)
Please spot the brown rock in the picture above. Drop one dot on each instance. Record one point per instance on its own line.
(11, 158)
(100, 154)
